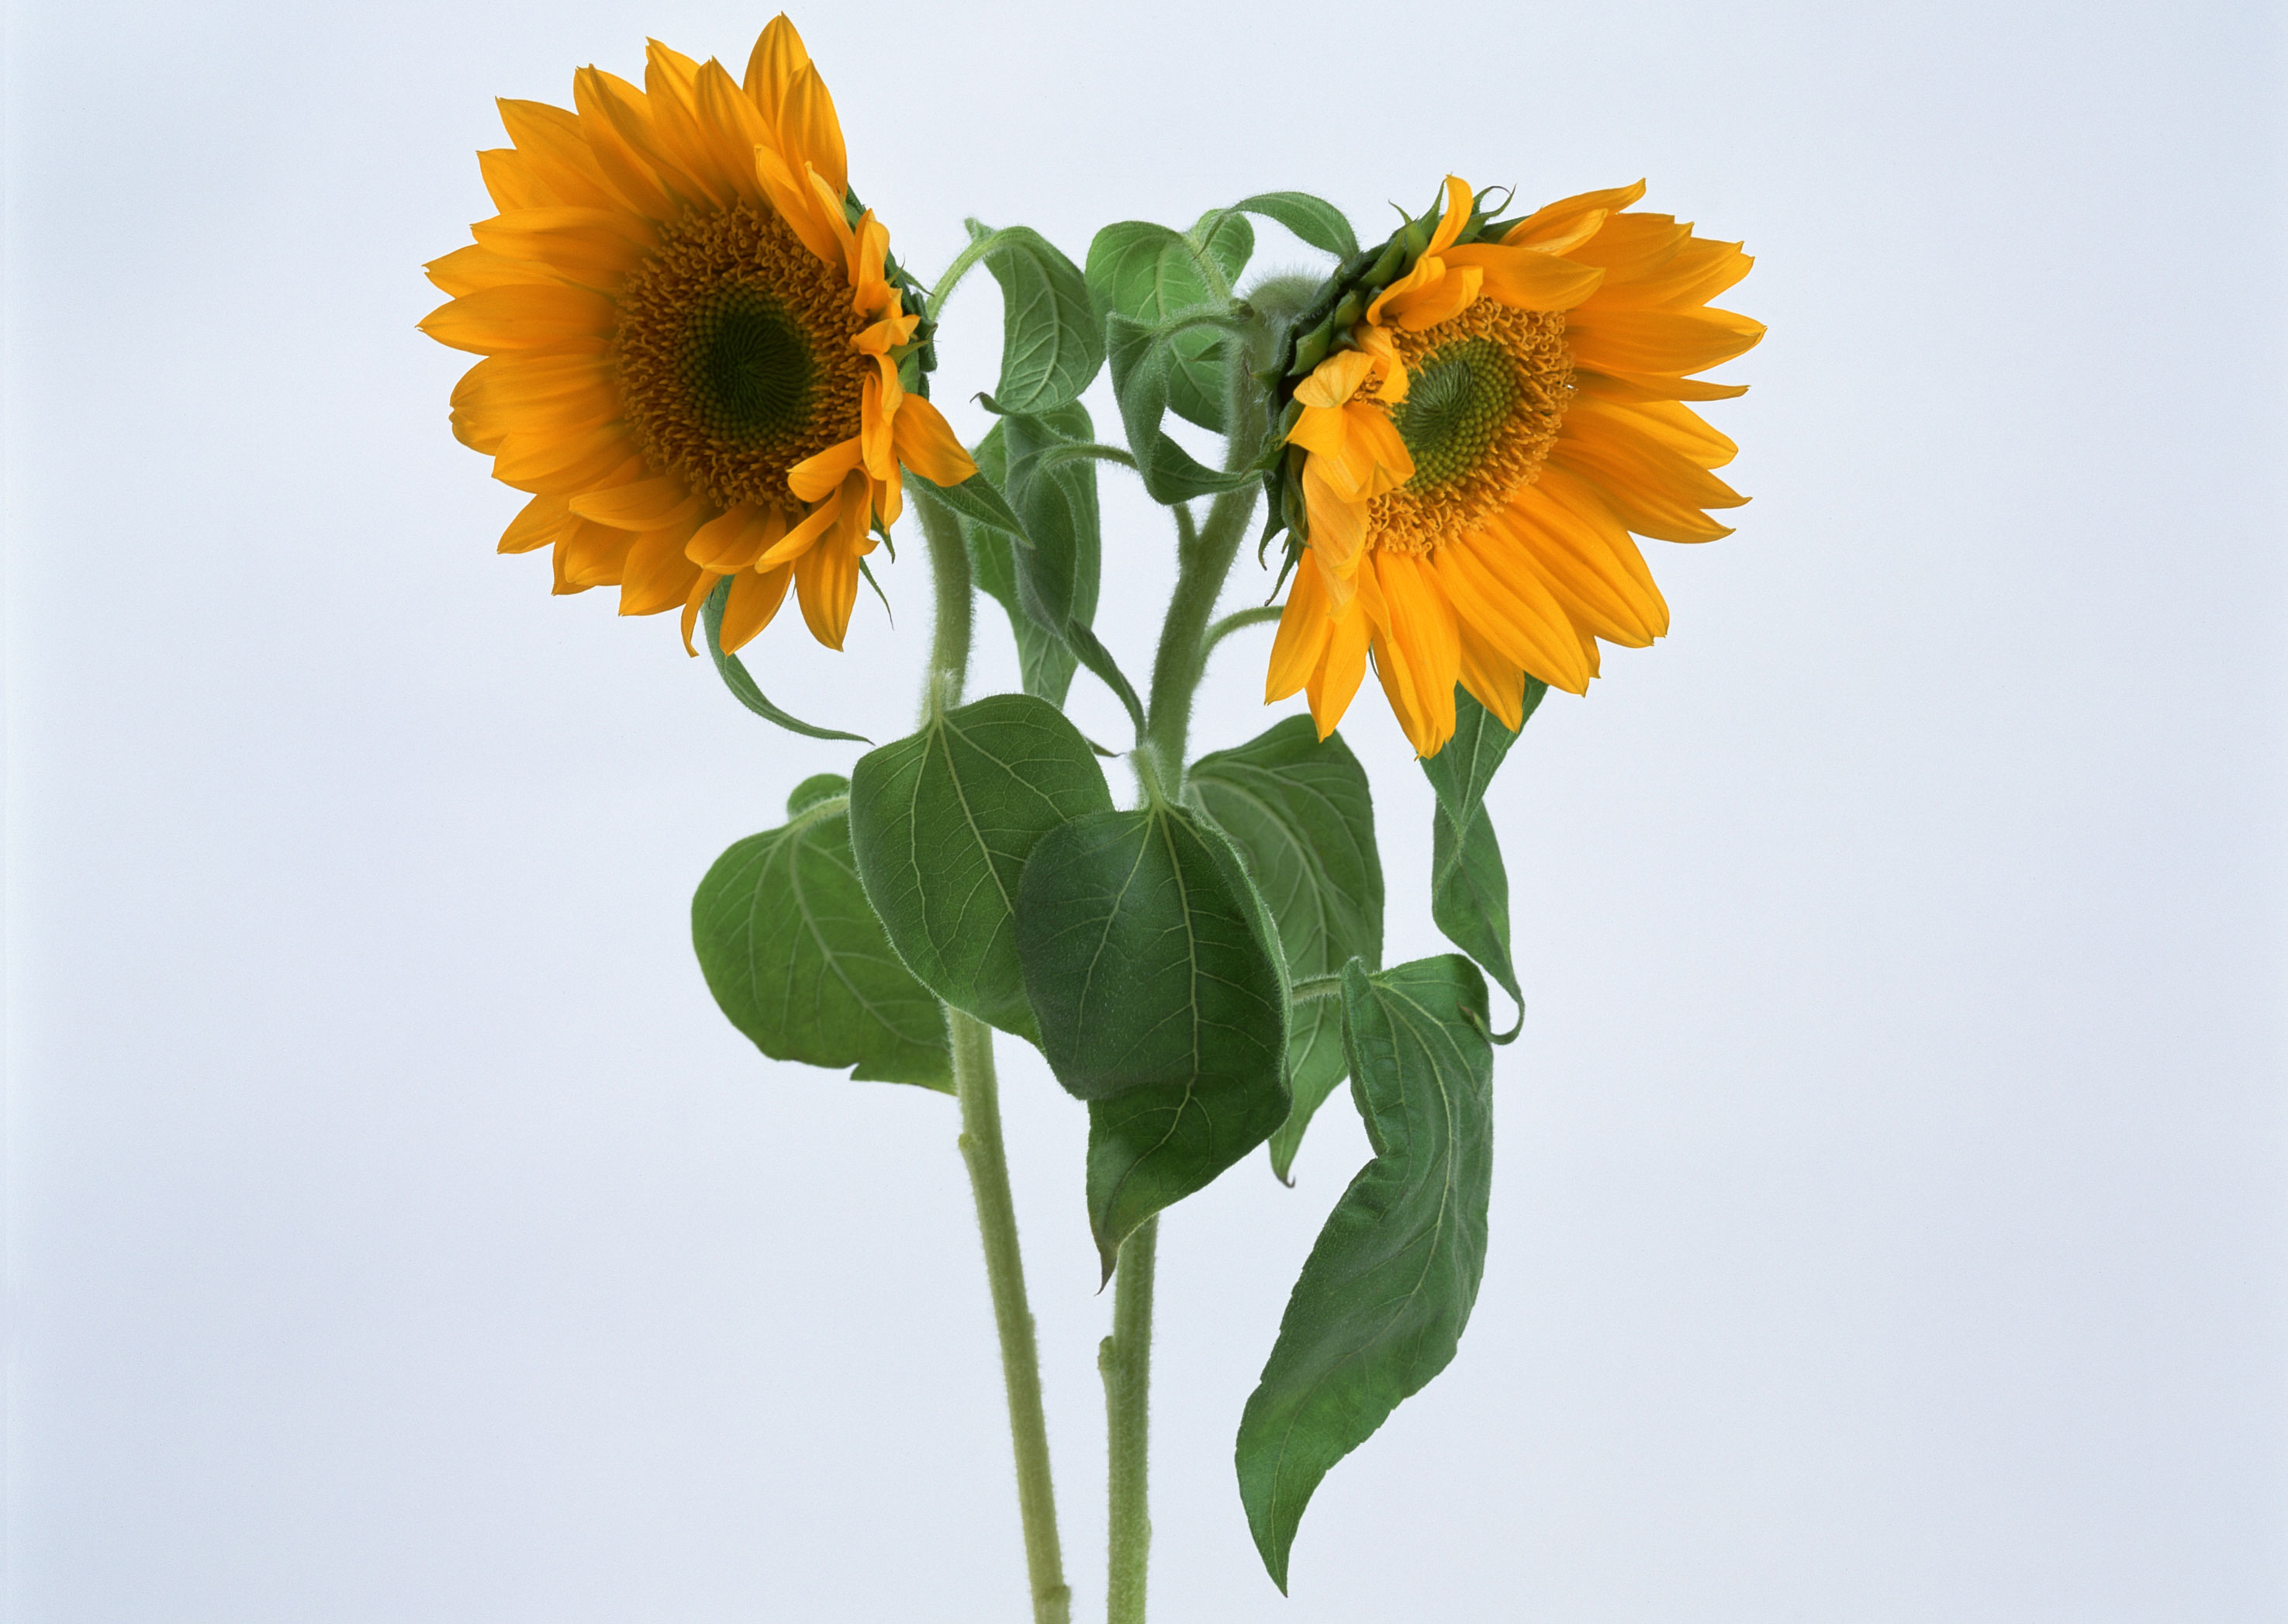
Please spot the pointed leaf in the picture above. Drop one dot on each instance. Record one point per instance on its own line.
(1315, 220)
(797, 960)
(1301, 813)
(1142, 356)
(735, 677)
(1155, 971)
(942, 823)
(1469, 888)
(1461, 770)
(1051, 346)
(1150, 273)
(1379, 1307)
(1469, 900)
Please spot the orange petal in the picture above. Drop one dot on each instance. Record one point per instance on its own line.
(536, 525)
(1417, 650)
(778, 55)
(557, 156)
(1496, 683)
(1563, 226)
(1659, 341)
(523, 317)
(1437, 299)
(693, 601)
(816, 478)
(1458, 200)
(1526, 278)
(613, 119)
(925, 443)
(809, 133)
(754, 600)
(1336, 379)
(1301, 640)
(648, 504)
(734, 540)
(1337, 528)
(826, 575)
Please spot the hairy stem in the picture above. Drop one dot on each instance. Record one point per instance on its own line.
(1004, 1272)
(1124, 1358)
(1204, 558)
(948, 656)
(976, 1087)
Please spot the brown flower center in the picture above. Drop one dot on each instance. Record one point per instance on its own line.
(1485, 392)
(734, 355)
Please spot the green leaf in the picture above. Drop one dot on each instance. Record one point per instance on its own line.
(1051, 344)
(1056, 576)
(1379, 1307)
(1460, 772)
(1469, 900)
(1150, 273)
(977, 500)
(1301, 813)
(1469, 887)
(1044, 663)
(797, 960)
(1143, 355)
(1155, 971)
(1316, 221)
(942, 823)
(733, 673)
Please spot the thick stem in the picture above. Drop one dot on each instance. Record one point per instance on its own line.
(1204, 558)
(1125, 1359)
(976, 1087)
(949, 658)
(975, 1083)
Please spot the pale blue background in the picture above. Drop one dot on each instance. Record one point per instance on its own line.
(1887, 1221)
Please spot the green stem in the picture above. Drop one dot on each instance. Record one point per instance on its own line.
(976, 1087)
(1124, 1358)
(963, 263)
(948, 657)
(1204, 558)
(975, 1083)
(1261, 615)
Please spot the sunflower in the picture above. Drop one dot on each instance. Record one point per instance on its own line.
(1472, 436)
(700, 359)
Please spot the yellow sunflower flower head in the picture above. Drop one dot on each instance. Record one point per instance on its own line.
(1477, 414)
(700, 359)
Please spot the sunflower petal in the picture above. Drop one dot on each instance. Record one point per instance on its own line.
(752, 603)
(816, 478)
(926, 443)
(1527, 278)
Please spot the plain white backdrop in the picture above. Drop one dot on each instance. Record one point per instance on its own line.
(1887, 1217)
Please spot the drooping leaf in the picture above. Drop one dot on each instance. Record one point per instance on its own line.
(1155, 971)
(1315, 220)
(1045, 664)
(1151, 274)
(1379, 1307)
(742, 686)
(1469, 898)
(1142, 355)
(942, 822)
(797, 960)
(1051, 343)
(1056, 576)
(1460, 772)
(1469, 888)
(1301, 813)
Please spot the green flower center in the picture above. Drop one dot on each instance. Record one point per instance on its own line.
(746, 364)
(1456, 404)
